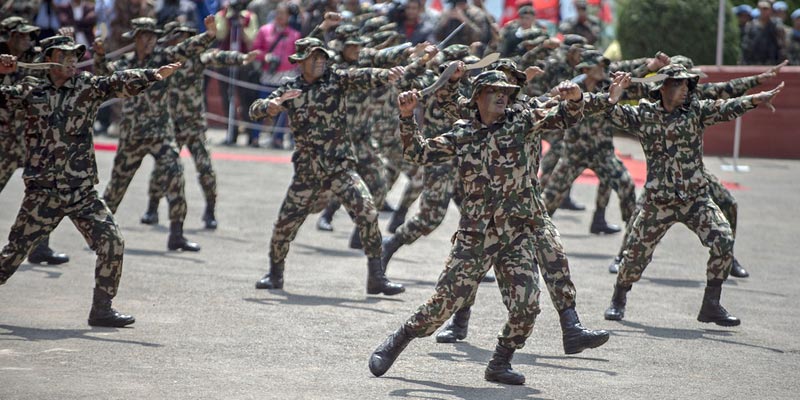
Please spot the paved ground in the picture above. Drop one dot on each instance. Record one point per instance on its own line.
(203, 331)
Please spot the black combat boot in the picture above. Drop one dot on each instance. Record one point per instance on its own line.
(384, 356)
(324, 221)
(569, 204)
(456, 327)
(398, 218)
(499, 368)
(737, 270)
(177, 241)
(150, 217)
(489, 277)
(711, 310)
(377, 282)
(274, 279)
(388, 247)
(616, 311)
(387, 207)
(577, 338)
(614, 266)
(208, 216)
(103, 315)
(599, 224)
(355, 240)
(43, 254)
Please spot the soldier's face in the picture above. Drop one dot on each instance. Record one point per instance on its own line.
(412, 10)
(674, 92)
(145, 42)
(313, 67)
(493, 99)
(797, 24)
(526, 21)
(350, 52)
(66, 58)
(20, 42)
(597, 73)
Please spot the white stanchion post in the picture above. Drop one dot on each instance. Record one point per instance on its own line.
(737, 141)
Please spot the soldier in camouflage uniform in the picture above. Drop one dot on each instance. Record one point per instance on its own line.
(670, 130)
(493, 153)
(187, 108)
(589, 144)
(17, 38)
(323, 158)
(145, 127)
(61, 171)
(721, 196)
(584, 24)
(439, 178)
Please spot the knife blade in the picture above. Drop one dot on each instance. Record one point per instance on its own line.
(484, 62)
(443, 78)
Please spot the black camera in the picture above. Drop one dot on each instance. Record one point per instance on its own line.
(238, 5)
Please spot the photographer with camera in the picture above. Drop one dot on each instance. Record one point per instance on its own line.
(275, 43)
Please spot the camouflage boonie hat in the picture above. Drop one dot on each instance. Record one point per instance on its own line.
(508, 65)
(307, 45)
(453, 52)
(526, 10)
(382, 36)
(16, 24)
(492, 78)
(688, 64)
(379, 23)
(142, 24)
(673, 71)
(531, 43)
(64, 43)
(344, 31)
(591, 58)
(571, 38)
(174, 28)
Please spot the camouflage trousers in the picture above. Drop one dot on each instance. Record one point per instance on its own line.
(370, 168)
(348, 187)
(129, 158)
(550, 159)
(195, 140)
(723, 198)
(43, 209)
(12, 156)
(438, 185)
(609, 170)
(395, 165)
(651, 223)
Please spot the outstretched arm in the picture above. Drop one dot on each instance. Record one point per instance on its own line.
(416, 148)
(713, 112)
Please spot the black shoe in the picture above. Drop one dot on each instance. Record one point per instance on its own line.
(499, 368)
(388, 247)
(489, 277)
(387, 208)
(177, 241)
(712, 311)
(324, 224)
(272, 280)
(355, 240)
(576, 337)
(616, 311)
(614, 266)
(456, 328)
(150, 217)
(385, 355)
(325, 219)
(398, 218)
(599, 224)
(569, 204)
(737, 270)
(377, 282)
(43, 254)
(103, 315)
(209, 218)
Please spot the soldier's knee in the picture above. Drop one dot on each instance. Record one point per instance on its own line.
(723, 243)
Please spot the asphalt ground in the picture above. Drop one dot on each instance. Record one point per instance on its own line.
(204, 332)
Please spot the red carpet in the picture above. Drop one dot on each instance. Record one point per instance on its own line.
(637, 169)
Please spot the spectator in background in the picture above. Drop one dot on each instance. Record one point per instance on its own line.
(233, 14)
(451, 19)
(315, 14)
(177, 10)
(764, 40)
(124, 12)
(204, 9)
(513, 32)
(742, 13)
(780, 10)
(275, 43)
(415, 23)
(353, 8)
(80, 15)
(47, 19)
(584, 24)
(26, 9)
(793, 39)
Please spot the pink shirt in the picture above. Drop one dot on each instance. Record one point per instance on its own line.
(265, 39)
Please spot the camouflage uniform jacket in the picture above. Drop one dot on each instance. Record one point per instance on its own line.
(493, 162)
(318, 117)
(673, 142)
(592, 134)
(60, 121)
(726, 90)
(11, 124)
(186, 87)
(144, 116)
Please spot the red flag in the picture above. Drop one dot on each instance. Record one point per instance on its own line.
(509, 12)
(437, 5)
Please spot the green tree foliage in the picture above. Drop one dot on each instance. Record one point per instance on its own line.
(686, 27)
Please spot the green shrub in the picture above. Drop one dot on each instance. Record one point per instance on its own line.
(686, 27)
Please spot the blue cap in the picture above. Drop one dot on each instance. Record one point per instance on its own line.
(780, 6)
(755, 13)
(796, 14)
(741, 9)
